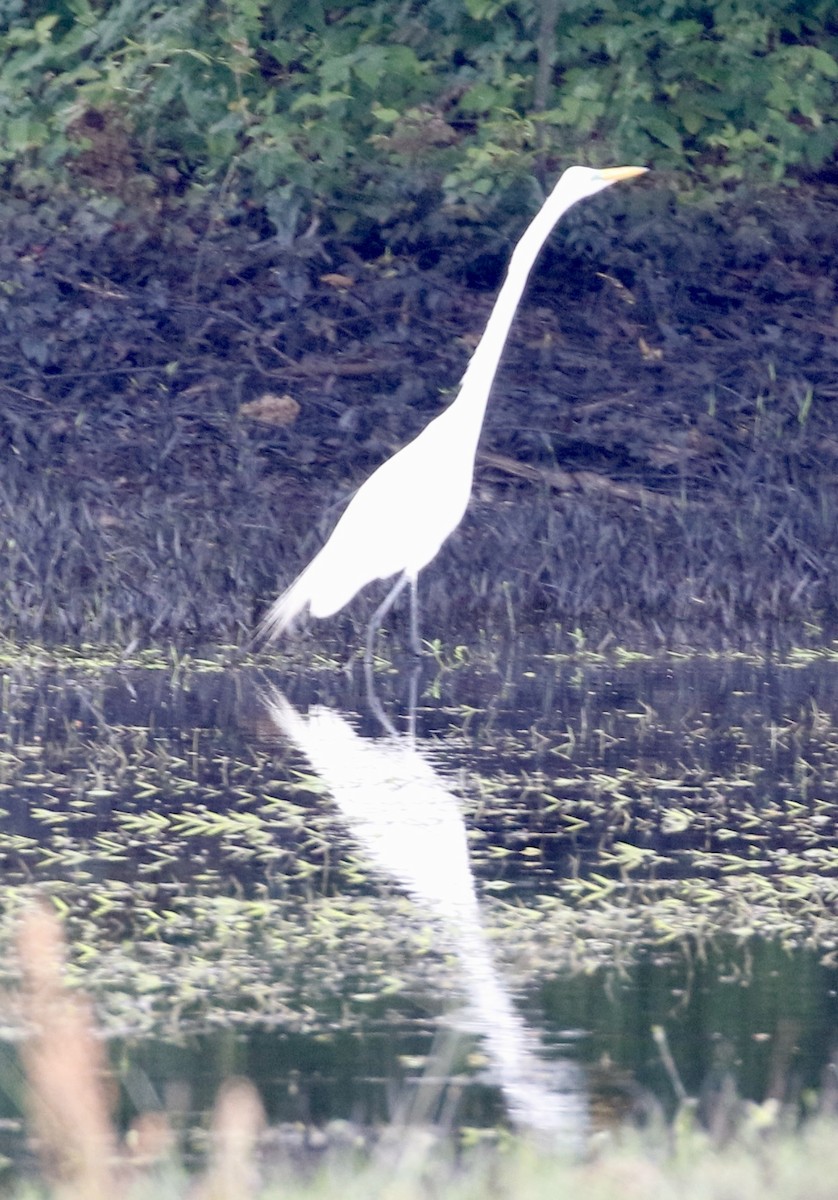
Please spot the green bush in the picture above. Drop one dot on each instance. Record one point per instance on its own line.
(294, 105)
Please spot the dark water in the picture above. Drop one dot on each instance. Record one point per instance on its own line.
(546, 892)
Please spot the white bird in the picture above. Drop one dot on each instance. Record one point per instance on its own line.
(399, 518)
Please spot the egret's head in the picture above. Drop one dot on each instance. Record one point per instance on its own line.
(578, 182)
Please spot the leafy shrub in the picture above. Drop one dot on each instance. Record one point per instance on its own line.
(292, 105)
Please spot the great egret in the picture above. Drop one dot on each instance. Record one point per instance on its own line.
(399, 518)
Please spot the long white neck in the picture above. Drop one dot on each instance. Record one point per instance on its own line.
(480, 374)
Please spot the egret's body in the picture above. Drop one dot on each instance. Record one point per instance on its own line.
(398, 519)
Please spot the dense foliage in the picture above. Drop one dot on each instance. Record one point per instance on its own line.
(290, 103)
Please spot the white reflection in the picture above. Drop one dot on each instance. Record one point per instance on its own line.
(411, 827)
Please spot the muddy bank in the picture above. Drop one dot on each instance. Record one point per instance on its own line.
(660, 455)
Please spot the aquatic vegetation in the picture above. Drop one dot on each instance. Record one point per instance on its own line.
(198, 860)
(81, 1152)
(645, 834)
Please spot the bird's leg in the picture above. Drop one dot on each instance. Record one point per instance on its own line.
(376, 707)
(381, 612)
(412, 700)
(415, 644)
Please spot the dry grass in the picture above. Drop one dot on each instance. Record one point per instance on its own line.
(68, 1094)
(82, 1156)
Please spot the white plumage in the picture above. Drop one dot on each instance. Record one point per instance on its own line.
(398, 519)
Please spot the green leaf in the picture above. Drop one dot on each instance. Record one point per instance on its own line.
(824, 62)
(387, 116)
(483, 10)
(480, 98)
(663, 132)
(309, 102)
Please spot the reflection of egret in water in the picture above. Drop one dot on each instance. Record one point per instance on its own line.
(411, 827)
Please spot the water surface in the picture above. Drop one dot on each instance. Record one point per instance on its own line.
(549, 892)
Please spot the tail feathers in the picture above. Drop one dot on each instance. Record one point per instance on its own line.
(321, 587)
(285, 609)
